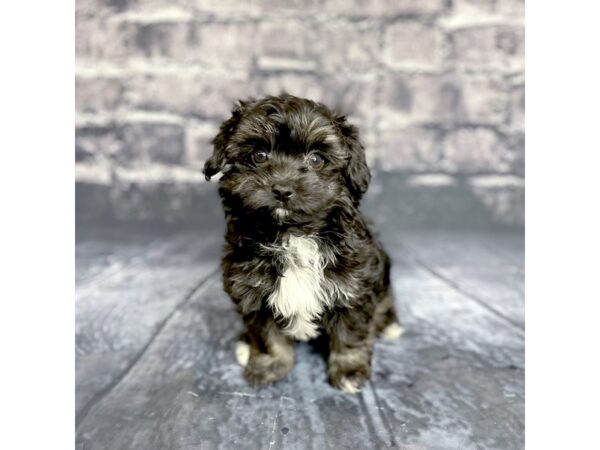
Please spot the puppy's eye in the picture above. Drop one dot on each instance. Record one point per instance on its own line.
(260, 157)
(316, 161)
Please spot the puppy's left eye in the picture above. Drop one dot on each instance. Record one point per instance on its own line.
(316, 161)
(260, 157)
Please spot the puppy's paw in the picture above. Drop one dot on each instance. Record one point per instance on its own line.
(350, 382)
(264, 369)
(242, 353)
(350, 385)
(392, 331)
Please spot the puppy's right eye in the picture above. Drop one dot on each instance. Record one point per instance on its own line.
(260, 157)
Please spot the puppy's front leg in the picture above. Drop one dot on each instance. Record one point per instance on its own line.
(271, 354)
(350, 348)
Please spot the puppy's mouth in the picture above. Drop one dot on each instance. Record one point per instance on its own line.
(281, 213)
(285, 215)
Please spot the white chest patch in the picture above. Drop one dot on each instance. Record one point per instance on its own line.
(300, 295)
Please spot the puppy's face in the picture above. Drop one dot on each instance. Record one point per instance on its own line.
(290, 158)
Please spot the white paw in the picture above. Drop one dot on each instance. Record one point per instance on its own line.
(392, 331)
(349, 386)
(242, 353)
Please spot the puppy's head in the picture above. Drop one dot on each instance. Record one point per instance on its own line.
(288, 157)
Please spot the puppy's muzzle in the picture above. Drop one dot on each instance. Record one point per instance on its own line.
(282, 193)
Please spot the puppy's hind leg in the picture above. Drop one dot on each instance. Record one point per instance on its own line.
(386, 320)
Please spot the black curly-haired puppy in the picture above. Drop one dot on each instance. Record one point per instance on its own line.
(299, 258)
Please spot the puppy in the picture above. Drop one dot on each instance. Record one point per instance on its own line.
(299, 258)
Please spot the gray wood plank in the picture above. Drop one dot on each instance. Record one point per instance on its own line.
(466, 249)
(100, 252)
(454, 380)
(187, 391)
(101, 258)
(117, 312)
(489, 267)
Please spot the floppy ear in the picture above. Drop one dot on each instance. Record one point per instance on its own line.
(217, 161)
(357, 173)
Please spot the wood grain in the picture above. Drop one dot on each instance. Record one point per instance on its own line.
(161, 335)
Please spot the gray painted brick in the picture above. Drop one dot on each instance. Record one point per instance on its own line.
(116, 6)
(209, 44)
(421, 97)
(152, 142)
(98, 39)
(490, 47)
(378, 8)
(484, 99)
(446, 98)
(300, 84)
(517, 107)
(347, 48)
(475, 150)
(410, 43)
(285, 39)
(190, 94)
(96, 142)
(330, 46)
(435, 87)
(255, 8)
(408, 149)
(508, 8)
(98, 93)
(353, 97)
(206, 43)
(223, 45)
(198, 138)
(162, 40)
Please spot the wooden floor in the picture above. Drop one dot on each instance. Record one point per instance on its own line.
(156, 369)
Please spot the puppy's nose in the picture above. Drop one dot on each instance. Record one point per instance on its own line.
(282, 193)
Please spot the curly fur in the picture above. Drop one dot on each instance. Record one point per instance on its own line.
(306, 263)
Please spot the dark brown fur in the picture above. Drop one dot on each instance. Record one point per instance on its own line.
(324, 204)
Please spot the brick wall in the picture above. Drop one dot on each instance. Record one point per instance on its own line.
(436, 87)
